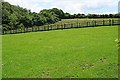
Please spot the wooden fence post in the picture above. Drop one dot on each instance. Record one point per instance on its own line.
(17, 30)
(118, 21)
(60, 26)
(103, 22)
(95, 23)
(37, 28)
(47, 27)
(51, 27)
(110, 22)
(44, 28)
(87, 24)
(64, 25)
(10, 31)
(13, 30)
(57, 26)
(79, 25)
(2, 31)
(32, 29)
(21, 29)
(27, 29)
(71, 25)
(24, 29)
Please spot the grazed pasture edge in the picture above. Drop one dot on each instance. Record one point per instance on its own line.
(62, 40)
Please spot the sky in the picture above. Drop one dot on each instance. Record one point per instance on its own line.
(70, 6)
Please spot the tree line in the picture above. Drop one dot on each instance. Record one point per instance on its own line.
(14, 17)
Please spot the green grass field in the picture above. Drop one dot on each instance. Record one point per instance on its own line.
(79, 53)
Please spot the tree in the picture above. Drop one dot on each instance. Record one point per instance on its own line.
(50, 15)
(14, 17)
(59, 13)
(13, 21)
(66, 15)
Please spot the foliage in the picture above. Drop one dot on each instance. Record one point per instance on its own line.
(13, 16)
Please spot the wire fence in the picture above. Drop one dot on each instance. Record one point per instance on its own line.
(82, 24)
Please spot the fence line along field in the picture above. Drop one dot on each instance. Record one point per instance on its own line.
(65, 24)
(79, 20)
(71, 53)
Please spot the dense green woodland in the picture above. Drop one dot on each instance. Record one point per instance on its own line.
(17, 17)
(14, 17)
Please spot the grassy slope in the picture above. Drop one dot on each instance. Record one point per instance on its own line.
(87, 52)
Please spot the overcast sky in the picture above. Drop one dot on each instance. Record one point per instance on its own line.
(71, 6)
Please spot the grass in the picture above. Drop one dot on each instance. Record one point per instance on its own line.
(79, 53)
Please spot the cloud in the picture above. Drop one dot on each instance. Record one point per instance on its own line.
(71, 6)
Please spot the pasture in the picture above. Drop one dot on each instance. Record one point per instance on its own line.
(76, 53)
(85, 20)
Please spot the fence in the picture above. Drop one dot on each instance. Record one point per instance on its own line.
(92, 23)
